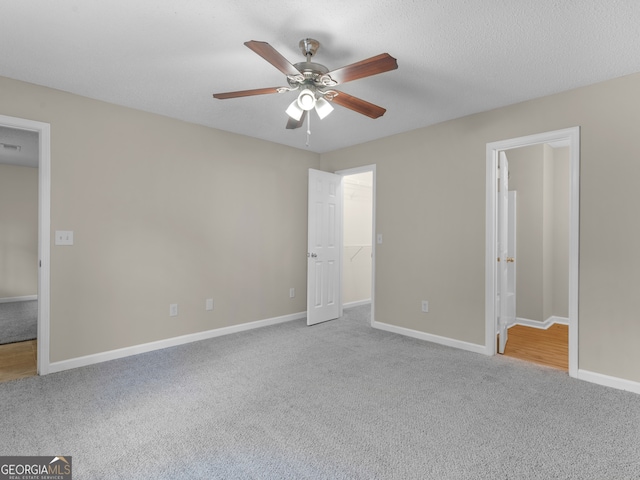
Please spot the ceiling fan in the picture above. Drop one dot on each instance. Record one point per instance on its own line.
(316, 82)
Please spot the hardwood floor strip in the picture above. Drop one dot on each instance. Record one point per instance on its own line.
(546, 347)
(18, 360)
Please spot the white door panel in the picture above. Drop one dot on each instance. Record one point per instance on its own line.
(511, 258)
(324, 246)
(506, 259)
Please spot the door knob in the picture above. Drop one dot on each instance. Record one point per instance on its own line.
(510, 259)
(313, 255)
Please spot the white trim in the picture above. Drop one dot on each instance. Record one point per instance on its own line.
(357, 303)
(44, 230)
(541, 325)
(169, 342)
(26, 298)
(448, 342)
(572, 135)
(559, 320)
(608, 381)
(354, 171)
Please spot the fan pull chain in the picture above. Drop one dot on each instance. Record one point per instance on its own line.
(308, 127)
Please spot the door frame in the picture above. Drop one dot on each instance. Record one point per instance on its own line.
(354, 171)
(566, 137)
(44, 229)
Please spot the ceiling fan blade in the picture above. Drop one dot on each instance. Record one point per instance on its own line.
(272, 56)
(246, 93)
(358, 105)
(293, 123)
(365, 68)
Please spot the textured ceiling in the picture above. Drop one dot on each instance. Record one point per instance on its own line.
(455, 57)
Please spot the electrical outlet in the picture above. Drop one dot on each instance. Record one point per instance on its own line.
(292, 292)
(209, 304)
(173, 310)
(425, 306)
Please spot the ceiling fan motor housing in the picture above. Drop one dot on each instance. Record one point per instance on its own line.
(312, 75)
(309, 47)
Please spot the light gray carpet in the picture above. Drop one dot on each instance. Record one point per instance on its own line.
(18, 321)
(337, 400)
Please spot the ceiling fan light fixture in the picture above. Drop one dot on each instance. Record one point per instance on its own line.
(323, 108)
(294, 111)
(306, 99)
(314, 80)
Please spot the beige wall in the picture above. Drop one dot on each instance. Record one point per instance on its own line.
(431, 210)
(561, 169)
(166, 211)
(18, 231)
(540, 175)
(526, 177)
(163, 212)
(358, 215)
(548, 204)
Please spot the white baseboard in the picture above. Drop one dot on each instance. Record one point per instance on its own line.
(608, 381)
(449, 342)
(26, 298)
(559, 320)
(542, 325)
(169, 342)
(356, 304)
(585, 375)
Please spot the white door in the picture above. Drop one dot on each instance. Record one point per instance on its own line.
(511, 258)
(506, 298)
(324, 247)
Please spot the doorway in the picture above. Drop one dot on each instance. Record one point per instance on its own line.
(41, 132)
(561, 138)
(538, 234)
(325, 265)
(358, 269)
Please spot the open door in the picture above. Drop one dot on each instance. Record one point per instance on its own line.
(506, 298)
(324, 247)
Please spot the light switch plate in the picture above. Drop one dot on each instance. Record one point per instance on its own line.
(64, 237)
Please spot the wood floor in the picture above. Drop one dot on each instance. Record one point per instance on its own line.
(547, 347)
(18, 360)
